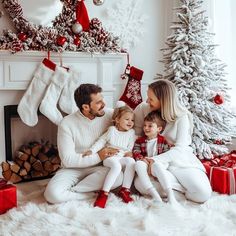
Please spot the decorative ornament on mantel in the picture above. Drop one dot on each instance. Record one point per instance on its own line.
(98, 2)
(71, 30)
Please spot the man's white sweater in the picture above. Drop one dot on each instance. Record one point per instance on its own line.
(76, 134)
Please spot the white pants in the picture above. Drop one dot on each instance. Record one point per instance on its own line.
(192, 182)
(116, 163)
(71, 184)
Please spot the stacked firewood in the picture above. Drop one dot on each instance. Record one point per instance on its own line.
(32, 161)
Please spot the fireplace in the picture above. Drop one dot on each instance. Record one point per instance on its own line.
(18, 134)
(31, 152)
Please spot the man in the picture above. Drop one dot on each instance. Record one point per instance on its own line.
(76, 134)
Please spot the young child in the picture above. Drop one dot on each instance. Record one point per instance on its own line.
(146, 150)
(120, 136)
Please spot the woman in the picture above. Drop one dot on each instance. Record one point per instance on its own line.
(185, 171)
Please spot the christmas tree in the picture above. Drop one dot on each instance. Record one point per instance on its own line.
(191, 64)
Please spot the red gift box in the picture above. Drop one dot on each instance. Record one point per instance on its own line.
(221, 172)
(7, 197)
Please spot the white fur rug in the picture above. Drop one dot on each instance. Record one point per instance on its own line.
(34, 216)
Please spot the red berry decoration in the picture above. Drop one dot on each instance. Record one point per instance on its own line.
(77, 41)
(61, 40)
(218, 99)
(22, 36)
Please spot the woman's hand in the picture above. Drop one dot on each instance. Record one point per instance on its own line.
(107, 152)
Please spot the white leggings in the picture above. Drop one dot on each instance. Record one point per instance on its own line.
(115, 163)
(72, 184)
(158, 171)
(192, 182)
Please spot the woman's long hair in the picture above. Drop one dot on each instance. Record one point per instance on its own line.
(166, 93)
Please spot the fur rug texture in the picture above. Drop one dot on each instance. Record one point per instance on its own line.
(34, 216)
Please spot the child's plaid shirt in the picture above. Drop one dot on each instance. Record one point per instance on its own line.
(140, 147)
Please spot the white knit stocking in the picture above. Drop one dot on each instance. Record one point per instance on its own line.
(48, 105)
(67, 101)
(29, 103)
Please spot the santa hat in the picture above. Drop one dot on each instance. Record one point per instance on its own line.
(82, 15)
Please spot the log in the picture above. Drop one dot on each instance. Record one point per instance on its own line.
(55, 160)
(35, 149)
(23, 172)
(48, 166)
(15, 178)
(15, 167)
(37, 166)
(25, 149)
(42, 157)
(27, 166)
(32, 159)
(7, 174)
(55, 167)
(19, 162)
(22, 156)
(36, 174)
(5, 166)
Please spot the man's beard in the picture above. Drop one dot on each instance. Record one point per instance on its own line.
(96, 114)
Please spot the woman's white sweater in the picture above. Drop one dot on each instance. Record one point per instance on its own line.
(177, 133)
(76, 134)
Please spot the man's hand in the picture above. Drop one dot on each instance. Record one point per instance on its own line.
(107, 152)
(87, 153)
(128, 154)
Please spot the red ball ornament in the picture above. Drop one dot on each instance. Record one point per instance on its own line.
(61, 40)
(218, 99)
(77, 41)
(22, 36)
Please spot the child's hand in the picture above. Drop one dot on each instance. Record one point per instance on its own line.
(87, 153)
(128, 154)
(151, 161)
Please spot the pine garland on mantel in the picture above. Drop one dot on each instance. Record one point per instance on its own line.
(59, 37)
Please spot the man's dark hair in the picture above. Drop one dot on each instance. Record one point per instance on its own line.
(82, 94)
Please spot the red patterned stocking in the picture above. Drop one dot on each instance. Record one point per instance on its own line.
(132, 94)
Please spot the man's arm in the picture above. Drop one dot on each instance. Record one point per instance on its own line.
(66, 148)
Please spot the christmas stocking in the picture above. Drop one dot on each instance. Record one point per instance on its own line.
(28, 106)
(67, 101)
(132, 94)
(48, 106)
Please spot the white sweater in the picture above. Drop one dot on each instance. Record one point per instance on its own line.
(177, 133)
(76, 134)
(123, 140)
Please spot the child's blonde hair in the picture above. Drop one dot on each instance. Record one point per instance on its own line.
(120, 111)
(155, 117)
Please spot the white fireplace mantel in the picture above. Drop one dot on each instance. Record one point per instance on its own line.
(16, 70)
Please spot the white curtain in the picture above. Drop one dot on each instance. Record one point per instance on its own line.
(222, 22)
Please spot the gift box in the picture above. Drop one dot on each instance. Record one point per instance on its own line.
(221, 172)
(7, 197)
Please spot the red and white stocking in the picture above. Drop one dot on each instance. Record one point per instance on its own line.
(29, 103)
(48, 106)
(132, 94)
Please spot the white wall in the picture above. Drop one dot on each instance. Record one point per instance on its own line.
(144, 56)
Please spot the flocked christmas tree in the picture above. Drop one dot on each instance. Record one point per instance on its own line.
(191, 64)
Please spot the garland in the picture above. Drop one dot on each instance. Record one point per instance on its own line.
(59, 37)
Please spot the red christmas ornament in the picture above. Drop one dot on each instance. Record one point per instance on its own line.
(22, 36)
(218, 99)
(77, 41)
(61, 40)
(218, 142)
